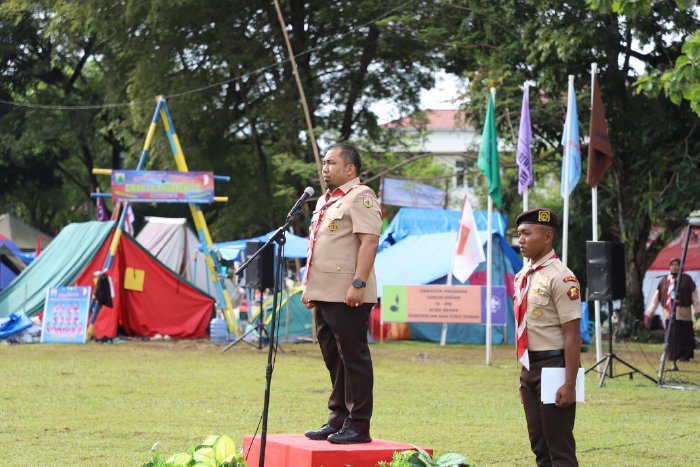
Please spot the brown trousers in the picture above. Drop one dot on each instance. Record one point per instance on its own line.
(551, 428)
(342, 336)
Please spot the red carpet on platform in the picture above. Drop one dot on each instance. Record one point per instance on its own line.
(299, 451)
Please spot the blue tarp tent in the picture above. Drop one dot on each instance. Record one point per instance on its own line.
(417, 248)
(12, 261)
(295, 247)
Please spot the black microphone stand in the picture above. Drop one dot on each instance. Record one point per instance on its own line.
(279, 238)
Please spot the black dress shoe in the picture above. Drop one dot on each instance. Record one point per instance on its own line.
(322, 433)
(348, 436)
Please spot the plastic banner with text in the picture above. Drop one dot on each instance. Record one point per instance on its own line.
(66, 315)
(159, 186)
(442, 304)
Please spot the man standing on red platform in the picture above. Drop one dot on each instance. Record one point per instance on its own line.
(341, 286)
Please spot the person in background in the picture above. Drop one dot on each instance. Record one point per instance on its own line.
(681, 340)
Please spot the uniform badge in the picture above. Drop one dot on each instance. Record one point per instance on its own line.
(538, 312)
(573, 293)
(367, 200)
(571, 279)
(333, 226)
(543, 216)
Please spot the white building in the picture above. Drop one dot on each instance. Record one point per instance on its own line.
(450, 139)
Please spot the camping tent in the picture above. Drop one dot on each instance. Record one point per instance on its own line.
(417, 248)
(674, 249)
(148, 298)
(12, 261)
(22, 234)
(176, 245)
(59, 264)
(294, 318)
(295, 247)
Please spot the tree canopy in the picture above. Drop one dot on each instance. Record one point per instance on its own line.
(79, 81)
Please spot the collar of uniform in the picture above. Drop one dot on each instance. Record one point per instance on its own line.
(344, 188)
(542, 259)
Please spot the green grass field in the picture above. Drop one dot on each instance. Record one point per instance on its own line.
(101, 404)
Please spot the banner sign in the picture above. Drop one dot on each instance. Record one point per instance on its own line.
(408, 193)
(159, 186)
(66, 315)
(442, 304)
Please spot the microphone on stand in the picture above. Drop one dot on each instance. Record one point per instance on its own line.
(308, 192)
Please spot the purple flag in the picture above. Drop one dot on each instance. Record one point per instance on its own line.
(102, 214)
(524, 158)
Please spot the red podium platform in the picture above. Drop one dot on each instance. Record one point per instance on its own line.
(299, 451)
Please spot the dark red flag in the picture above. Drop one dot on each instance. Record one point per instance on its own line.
(600, 154)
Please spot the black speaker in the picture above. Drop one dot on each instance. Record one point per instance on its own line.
(606, 270)
(260, 272)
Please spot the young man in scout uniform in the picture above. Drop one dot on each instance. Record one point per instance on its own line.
(547, 306)
(341, 285)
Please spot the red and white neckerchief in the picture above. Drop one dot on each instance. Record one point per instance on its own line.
(316, 223)
(669, 295)
(522, 285)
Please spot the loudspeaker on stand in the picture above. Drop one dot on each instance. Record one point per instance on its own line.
(260, 272)
(605, 266)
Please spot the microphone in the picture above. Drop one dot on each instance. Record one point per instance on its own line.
(308, 192)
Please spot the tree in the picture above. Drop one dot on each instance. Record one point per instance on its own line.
(229, 88)
(503, 44)
(679, 80)
(48, 153)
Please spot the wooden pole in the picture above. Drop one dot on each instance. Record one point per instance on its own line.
(302, 95)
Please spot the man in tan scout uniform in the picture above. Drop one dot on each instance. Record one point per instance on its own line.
(341, 285)
(548, 315)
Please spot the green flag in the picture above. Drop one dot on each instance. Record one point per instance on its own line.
(488, 155)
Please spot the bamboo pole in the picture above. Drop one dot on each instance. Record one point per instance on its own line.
(302, 95)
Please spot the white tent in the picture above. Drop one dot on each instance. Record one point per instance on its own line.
(175, 245)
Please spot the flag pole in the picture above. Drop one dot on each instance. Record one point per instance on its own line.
(443, 332)
(567, 161)
(525, 200)
(527, 187)
(594, 208)
(489, 256)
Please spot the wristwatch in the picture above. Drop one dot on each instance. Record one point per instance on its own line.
(359, 283)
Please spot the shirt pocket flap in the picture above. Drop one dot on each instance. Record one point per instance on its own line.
(337, 266)
(537, 299)
(336, 214)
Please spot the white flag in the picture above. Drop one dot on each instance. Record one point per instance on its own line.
(129, 221)
(470, 252)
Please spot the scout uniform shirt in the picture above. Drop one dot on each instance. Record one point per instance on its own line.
(553, 298)
(332, 257)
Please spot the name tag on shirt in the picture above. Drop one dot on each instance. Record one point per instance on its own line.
(553, 378)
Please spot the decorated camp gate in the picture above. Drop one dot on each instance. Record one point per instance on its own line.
(222, 298)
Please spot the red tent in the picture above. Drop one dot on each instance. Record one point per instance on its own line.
(674, 249)
(166, 304)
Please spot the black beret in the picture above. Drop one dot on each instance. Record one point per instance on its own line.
(541, 216)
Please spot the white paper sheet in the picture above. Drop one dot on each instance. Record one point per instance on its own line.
(553, 379)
